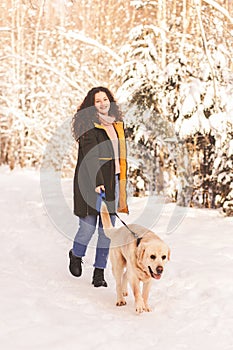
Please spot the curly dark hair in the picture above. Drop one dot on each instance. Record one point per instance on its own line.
(86, 114)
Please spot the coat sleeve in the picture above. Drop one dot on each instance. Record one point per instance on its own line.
(90, 149)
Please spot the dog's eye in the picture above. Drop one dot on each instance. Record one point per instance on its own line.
(153, 257)
(164, 257)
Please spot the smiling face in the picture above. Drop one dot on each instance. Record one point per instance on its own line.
(102, 103)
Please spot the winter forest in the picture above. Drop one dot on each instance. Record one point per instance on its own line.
(170, 66)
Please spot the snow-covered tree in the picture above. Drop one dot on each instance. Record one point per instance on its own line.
(52, 53)
(187, 96)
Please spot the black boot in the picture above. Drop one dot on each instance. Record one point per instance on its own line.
(98, 278)
(75, 264)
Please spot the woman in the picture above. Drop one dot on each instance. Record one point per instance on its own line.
(101, 166)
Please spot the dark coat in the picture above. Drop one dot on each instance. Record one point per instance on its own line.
(95, 167)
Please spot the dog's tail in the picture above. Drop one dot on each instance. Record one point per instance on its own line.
(106, 220)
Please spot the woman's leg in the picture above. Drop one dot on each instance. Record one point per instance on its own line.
(87, 226)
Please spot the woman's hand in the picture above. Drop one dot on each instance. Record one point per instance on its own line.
(100, 188)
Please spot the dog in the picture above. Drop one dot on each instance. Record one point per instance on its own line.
(134, 260)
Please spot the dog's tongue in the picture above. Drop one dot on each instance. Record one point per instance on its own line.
(157, 277)
(154, 275)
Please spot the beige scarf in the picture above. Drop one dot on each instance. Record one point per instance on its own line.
(107, 122)
(106, 119)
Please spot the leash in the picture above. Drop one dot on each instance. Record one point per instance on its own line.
(98, 206)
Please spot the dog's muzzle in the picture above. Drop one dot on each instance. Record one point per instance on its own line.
(157, 275)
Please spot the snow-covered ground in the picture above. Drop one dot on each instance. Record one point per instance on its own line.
(43, 307)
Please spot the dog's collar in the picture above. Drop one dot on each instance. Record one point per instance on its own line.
(139, 240)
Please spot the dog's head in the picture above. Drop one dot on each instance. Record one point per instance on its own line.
(152, 255)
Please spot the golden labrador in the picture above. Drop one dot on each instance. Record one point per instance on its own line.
(134, 260)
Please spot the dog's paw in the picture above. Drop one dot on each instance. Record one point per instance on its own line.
(121, 302)
(147, 308)
(140, 307)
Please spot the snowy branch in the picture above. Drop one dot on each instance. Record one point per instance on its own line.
(5, 29)
(220, 9)
(49, 68)
(91, 42)
(198, 8)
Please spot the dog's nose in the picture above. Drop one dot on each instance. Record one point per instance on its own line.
(159, 270)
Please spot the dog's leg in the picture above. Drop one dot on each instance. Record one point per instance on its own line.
(139, 303)
(145, 295)
(125, 284)
(118, 264)
(135, 285)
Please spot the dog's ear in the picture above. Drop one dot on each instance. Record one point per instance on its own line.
(169, 254)
(140, 251)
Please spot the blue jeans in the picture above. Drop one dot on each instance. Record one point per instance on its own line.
(87, 227)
